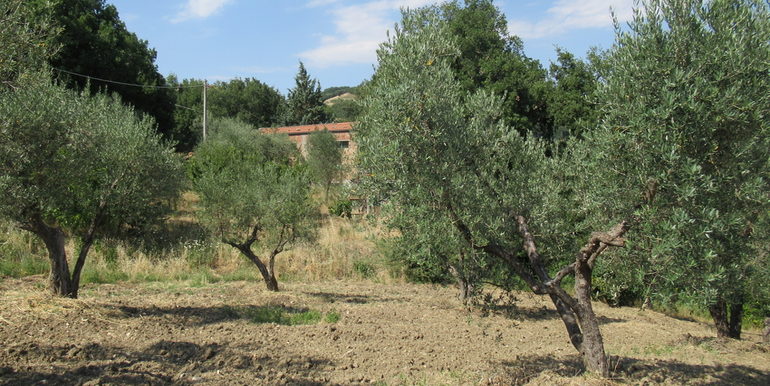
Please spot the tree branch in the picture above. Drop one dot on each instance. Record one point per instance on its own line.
(567, 270)
(495, 250)
(90, 235)
(253, 236)
(599, 242)
(281, 242)
(536, 261)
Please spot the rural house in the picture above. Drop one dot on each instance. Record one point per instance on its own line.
(299, 134)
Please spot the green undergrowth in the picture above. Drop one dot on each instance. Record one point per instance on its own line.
(21, 254)
(286, 316)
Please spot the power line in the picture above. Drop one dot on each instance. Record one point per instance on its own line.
(204, 86)
(186, 108)
(122, 83)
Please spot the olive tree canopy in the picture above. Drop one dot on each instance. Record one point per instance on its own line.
(444, 156)
(686, 112)
(76, 166)
(254, 192)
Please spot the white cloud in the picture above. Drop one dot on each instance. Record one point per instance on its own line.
(568, 15)
(199, 9)
(359, 30)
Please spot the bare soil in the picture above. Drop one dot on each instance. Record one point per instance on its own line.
(168, 333)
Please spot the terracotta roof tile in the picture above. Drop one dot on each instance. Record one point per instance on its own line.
(306, 129)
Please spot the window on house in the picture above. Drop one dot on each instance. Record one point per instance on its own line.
(344, 144)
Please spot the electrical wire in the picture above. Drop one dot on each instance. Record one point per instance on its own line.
(123, 83)
(186, 108)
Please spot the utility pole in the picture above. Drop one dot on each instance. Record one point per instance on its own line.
(205, 86)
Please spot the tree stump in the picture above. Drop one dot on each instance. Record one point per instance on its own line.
(766, 333)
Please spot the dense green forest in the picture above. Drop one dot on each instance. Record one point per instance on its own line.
(638, 176)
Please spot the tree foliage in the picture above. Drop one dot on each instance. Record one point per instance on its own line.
(188, 112)
(345, 110)
(25, 45)
(493, 60)
(304, 105)
(79, 166)
(324, 159)
(572, 102)
(685, 112)
(95, 42)
(446, 159)
(247, 100)
(254, 192)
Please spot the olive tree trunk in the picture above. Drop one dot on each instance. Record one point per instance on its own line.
(266, 270)
(728, 318)
(268, 275)
(576, 312)
(592, 347)
(461, 277)
(61, 281)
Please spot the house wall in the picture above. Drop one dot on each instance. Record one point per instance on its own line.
(300, 134)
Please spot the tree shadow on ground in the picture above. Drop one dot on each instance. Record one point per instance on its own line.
(333, 297)
(636, 371)
(606, 320)
(200, 316)
(165, 362)
(513, 311)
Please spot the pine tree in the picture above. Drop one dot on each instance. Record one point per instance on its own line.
(304, 102)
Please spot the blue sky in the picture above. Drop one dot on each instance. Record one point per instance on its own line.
(336, 39)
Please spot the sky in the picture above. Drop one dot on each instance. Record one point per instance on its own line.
(335, 39)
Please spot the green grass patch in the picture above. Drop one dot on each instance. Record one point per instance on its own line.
(283, 315)
(364, 269)
(242, 274)
(103, 276)
(655, 350)
(146, 277)
(332, 317)
(21, 254)
(23, 266)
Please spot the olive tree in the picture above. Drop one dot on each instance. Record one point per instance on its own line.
(25, 43)
(427, 145)
(686, 111)
(79, 167)
(254, 193)
(324, 159)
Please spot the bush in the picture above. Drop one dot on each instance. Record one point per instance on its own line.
(342, 208)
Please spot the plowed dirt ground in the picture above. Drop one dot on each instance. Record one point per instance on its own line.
(168, 333)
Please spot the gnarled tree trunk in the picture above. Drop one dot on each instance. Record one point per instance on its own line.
(266, 270)
(466, 287)
(592, 348)
(59, 279)
(728, 318)
(577, 313)
(267, 275)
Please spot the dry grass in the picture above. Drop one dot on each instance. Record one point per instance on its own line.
(343, 249)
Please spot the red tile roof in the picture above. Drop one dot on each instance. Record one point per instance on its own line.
(306, 129)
